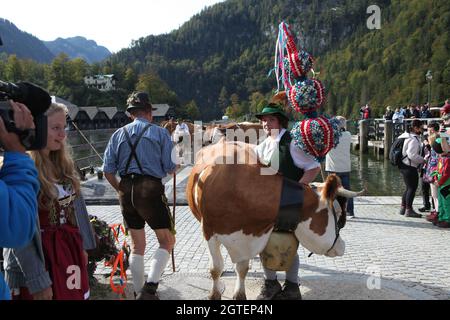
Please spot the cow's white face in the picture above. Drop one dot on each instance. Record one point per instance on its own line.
(321, 243)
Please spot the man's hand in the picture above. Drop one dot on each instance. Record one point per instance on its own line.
(112, 179)
(23, 120)
(46, 294)
(309, 176)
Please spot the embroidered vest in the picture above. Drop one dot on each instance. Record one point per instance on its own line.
(286, 165)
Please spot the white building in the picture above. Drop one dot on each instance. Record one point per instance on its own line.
(102, 82)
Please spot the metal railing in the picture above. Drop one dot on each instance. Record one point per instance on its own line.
(377, 127)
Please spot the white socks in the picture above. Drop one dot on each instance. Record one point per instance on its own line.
(292, 273)
(269, 274)
(157, 265)
(137, 271)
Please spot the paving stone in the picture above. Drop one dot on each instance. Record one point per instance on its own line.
(411, 254)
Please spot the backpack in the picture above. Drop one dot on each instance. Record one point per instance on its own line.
(396, 152)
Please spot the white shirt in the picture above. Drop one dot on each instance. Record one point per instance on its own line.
(182, 129)
(62, 193)
(398, 117)
(338, 159)
(411, 149)
(301, 159)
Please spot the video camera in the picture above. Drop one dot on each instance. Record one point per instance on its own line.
(37, 100)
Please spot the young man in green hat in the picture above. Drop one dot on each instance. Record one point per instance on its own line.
(279, 151)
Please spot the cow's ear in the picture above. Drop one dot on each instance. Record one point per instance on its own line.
(331, 187)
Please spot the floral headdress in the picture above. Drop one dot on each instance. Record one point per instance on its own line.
(317, 134)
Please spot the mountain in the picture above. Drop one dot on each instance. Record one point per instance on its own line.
(78, 47)
(22, 44)
(388, 66)
(223, 55)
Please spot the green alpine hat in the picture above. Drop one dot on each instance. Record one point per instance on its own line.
(272, 109)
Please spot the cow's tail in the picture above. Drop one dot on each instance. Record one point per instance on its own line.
(190, 195)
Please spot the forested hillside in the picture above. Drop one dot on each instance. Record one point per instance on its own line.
(22, 44)
(218, 62)
(222, 56)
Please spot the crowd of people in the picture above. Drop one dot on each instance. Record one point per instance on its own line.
(399, 114)
(409, 112)
(426, 158)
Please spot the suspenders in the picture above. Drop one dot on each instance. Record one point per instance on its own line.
(133, 148)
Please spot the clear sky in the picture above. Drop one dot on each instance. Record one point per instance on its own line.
(111, 23)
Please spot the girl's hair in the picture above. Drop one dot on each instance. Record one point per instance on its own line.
(57, 164)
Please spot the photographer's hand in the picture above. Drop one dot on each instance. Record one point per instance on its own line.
(22, 116)
(23, 120)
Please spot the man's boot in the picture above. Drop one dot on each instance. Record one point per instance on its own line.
(402, 210)
(148, 292)
(269, 290)
(410, 213)
(290, 291)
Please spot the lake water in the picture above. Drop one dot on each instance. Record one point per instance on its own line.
(381, 178)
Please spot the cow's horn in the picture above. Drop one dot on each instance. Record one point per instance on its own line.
(317, 184)
(349, 194)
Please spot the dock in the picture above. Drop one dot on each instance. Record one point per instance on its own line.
(379, 134)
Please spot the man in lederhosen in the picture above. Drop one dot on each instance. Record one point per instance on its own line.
(141, 153)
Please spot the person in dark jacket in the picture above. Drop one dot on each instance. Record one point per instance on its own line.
(389, 113)
(425, 112)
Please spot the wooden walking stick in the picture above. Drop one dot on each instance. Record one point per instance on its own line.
(324, 177)
(174, 190)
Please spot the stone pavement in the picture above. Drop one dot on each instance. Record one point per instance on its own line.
(388, 256)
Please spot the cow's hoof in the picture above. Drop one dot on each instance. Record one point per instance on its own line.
(239, 296)
(215, 296)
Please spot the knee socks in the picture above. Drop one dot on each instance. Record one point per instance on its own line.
(137, 271)
(157, 265)
(292, 273)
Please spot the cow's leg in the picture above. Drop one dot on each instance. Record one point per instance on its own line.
(241, 270)
(216, 268)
